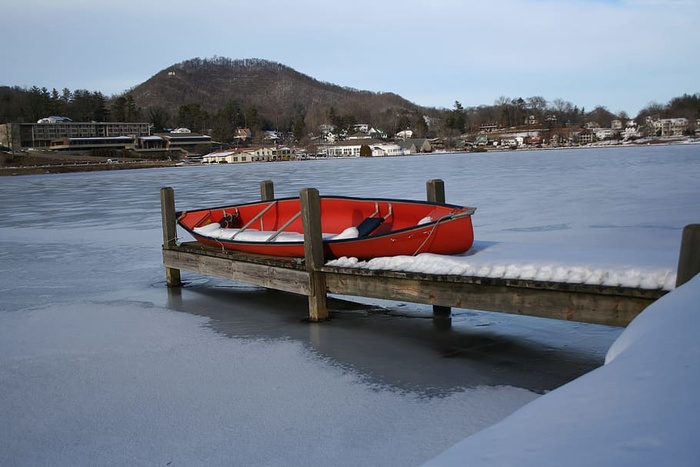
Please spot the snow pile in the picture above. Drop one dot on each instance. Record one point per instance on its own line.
(615, 268)
(639, 409)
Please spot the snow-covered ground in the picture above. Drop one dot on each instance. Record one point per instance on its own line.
(640, 409)
(101, 365)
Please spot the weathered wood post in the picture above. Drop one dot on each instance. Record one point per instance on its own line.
(435, 189)
(689, 256)
(267, 190)
(167, 211)
(313, 253)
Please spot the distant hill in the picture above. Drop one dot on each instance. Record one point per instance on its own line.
(275, 90)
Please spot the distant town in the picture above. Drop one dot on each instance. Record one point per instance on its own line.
(137, 140)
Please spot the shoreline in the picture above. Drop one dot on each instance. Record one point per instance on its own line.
(18, 170)
(70, 164)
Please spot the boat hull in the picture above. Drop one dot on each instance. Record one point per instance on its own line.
(275, 228)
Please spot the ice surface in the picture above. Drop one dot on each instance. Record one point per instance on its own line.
(132, 384)
(100, 364)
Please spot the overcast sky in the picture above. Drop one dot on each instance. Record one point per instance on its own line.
(621, 54)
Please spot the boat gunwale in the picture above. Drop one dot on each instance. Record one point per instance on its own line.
(340, 197)
(468, 213)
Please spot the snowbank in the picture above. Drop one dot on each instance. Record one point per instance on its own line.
(639, 409)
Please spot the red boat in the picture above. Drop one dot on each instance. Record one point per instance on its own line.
(353, 227)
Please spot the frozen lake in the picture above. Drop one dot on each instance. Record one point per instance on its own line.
(217, 369)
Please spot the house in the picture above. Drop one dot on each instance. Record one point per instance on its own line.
(377, 133)
(262, 154)
(631, 130)
(361, 128)
(487, 127)
(271, 135)
(242, 134)
(511, 142)
(386, 149)
(416, 145)
(668, 126)
(604, 133)
(674, 126)
(585, 137)
(347, 148)
(531, 120)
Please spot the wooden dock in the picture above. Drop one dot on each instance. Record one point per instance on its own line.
(614, 306)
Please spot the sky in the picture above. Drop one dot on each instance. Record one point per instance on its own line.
(620, 54)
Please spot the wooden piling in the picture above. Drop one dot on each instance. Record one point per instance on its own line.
(313, 253)
(167, 210)
(267, 190)
(689, 255)
(435, 192)
(435, 189)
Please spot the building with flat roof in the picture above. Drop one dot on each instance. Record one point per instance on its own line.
(18, 136)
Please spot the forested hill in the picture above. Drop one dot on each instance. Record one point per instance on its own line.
(219, 95)
(271, 90)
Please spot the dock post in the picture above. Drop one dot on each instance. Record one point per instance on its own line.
(435, 189)
(313, 253)
(689, 256)
(267, 190)
(167, 210)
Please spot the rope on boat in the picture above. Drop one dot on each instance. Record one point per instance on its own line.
(430, 234)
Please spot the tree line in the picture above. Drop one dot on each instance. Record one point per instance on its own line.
(21, 105)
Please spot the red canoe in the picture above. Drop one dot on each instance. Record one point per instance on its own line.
(353, 227)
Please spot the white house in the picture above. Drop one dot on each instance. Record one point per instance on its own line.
(631, 130)
(361, 127)
(352, 148)
(604, 133)
(348, 148)
(668, 126)
(264, 154)
(387, 149)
